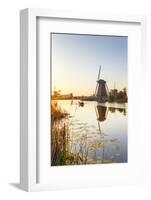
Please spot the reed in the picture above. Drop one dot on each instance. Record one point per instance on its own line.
(56, 112)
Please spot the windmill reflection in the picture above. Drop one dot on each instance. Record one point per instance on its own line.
(107, 142)
(101, 112)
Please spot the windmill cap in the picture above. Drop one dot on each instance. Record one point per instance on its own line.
(101, 81)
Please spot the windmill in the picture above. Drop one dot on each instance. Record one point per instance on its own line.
(101, 91)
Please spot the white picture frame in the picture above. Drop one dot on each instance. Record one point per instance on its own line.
(29, 148)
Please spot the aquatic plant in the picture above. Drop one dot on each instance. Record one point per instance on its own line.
(56, 112)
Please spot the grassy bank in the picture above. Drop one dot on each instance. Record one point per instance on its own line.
(61, 145)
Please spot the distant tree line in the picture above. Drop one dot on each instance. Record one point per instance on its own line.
(113, 96)
(118, 96)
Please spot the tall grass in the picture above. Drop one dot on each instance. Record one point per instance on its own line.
(61, 145)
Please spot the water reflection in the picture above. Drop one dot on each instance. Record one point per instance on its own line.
(90, 134)
(121, 110)
(101, 113)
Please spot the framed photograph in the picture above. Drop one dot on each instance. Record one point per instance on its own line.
(82, 76)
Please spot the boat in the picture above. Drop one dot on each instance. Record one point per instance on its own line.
(81, 103)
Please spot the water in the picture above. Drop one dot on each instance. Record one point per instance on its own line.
(97, 133)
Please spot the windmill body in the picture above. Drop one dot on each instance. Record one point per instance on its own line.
(101, 91)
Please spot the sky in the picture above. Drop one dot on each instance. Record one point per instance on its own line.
(76, 60)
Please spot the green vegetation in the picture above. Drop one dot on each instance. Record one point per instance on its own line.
(88, 98)
(118, 96)
(61, 153)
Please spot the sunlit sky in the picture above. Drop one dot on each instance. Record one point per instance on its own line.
(76, 60)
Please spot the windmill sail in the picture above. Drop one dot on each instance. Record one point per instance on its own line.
(99, 72)
(97, 80)
(96, 89)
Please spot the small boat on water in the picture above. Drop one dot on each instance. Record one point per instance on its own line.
(81, 103)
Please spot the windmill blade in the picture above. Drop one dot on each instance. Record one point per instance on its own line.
(96, 89)
(99, 72)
